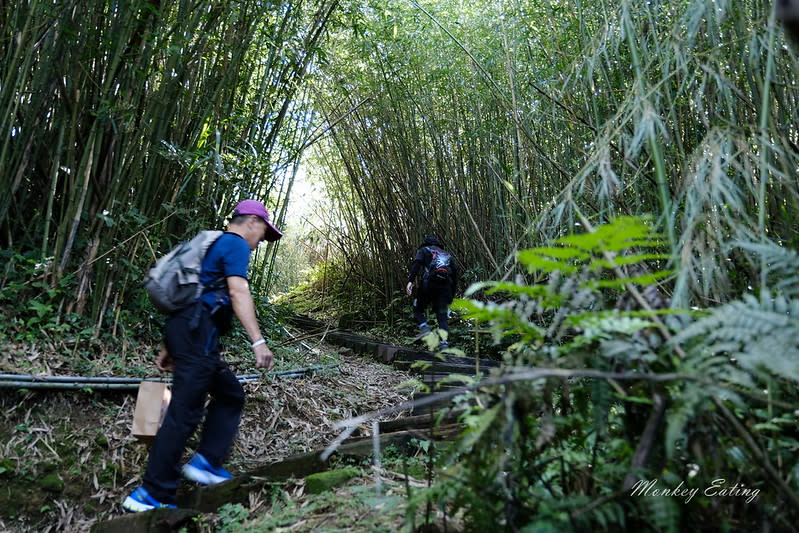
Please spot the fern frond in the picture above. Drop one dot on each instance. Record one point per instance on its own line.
(604, 326)
(602, 395)
(759, 334)
(629, 349)
(779, 354)
(782, 265)
(664, 513)
(620, 234)
(682, 412)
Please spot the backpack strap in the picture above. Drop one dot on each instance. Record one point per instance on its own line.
(213, 286)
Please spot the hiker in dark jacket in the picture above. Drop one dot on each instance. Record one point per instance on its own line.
(438, 277)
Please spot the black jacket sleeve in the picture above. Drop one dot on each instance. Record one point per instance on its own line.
(417, 264)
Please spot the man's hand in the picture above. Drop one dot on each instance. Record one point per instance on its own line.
(263, 357)
(164, 361)
(409, 288)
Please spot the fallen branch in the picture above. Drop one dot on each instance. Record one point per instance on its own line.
(759, 454)
(647, 441)
(350, 425)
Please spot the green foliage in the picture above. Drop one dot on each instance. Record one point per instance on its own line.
(334, 292)
(329, 511)
(31, 303)
(780, 266)
(159, 119)
(231, 516)
(496, 125)
(759, 334)
(34, 313)
(580, 271)
(554, 454)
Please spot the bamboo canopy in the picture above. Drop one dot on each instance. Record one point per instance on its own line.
(494, 126)
(129, 125)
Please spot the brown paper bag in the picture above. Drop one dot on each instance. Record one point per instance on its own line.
(151, 404)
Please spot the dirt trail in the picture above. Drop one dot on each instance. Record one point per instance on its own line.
(67, 458)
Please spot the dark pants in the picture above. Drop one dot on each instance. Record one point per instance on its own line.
(438, 298)
(199, 371)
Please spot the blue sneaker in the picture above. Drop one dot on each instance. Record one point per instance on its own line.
(202, 472)
(140, 501)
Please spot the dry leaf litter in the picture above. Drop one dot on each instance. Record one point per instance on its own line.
(46, 431)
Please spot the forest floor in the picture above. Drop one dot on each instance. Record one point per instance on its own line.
(67, 458)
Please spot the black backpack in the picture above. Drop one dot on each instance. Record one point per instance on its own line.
(439, 270)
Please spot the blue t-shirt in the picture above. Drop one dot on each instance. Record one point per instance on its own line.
(228, 256)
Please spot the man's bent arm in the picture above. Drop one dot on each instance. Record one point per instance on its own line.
(244, 308)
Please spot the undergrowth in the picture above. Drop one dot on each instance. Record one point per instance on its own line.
(332, 293)
(612, 410)
(38, 324)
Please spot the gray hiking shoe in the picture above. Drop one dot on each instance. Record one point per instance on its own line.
(424, 331)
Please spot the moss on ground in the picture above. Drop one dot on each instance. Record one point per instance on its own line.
(323, 481)
(51, 483)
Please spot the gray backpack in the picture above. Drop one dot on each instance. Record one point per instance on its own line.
(174, 282)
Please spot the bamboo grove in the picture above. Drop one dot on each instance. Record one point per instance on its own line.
(543, 141)
(129, 124)
(493, 124)
(533, 138)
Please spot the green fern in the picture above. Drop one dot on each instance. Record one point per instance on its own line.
(756, 334)
(781, 266)
(608, 246)
(664, 513)
(580, 269)
(565, 322)
(684, 409)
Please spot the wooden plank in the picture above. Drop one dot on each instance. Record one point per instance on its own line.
(237, 490)
(410, 355)
(155, 521)
(415, 422)
(441, 368)
(382, 352)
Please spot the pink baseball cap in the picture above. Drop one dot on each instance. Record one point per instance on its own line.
(254, 207)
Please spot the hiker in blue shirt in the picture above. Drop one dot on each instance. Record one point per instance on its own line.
(436, 287)
(192, 354)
